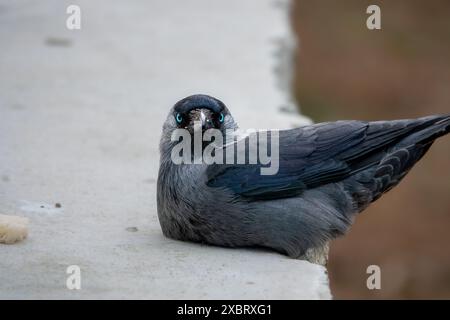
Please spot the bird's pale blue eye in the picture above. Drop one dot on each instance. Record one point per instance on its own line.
(179, 118)
(221, 118)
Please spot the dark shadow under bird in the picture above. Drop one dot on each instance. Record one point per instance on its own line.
(328, 172)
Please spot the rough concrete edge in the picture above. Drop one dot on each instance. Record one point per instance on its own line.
(284, 69)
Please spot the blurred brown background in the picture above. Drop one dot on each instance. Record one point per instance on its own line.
(345, 71)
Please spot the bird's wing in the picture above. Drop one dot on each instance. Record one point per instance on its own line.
(315, 155)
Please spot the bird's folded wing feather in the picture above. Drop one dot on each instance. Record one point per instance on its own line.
(315, 155)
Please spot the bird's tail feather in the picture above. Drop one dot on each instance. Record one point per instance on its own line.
(397, 161)
(434, 130)
(405, 154)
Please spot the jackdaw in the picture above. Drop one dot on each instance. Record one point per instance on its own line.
(328, 172)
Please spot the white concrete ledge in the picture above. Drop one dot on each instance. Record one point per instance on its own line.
(81, 114)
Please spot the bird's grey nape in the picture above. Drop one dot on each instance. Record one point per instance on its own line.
(328, 173)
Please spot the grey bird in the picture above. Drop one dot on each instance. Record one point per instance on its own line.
(328, 173)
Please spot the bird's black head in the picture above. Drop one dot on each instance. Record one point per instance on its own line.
(194, 114)
(206, 110)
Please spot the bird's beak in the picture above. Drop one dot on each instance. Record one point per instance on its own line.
(203, 117)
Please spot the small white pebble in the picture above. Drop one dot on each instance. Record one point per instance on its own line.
(13, 229)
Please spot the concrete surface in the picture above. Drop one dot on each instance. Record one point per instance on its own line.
(80, 119)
